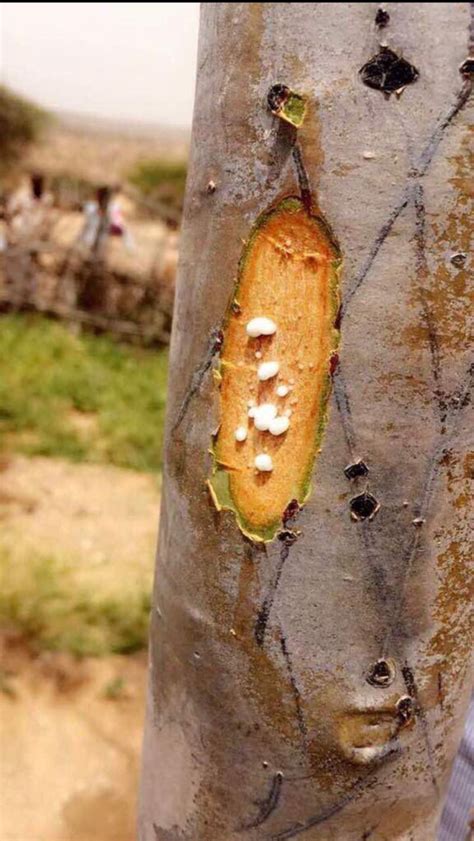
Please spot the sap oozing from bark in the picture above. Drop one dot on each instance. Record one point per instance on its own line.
(288, 300)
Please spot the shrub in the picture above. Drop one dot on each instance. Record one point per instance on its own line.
(21, 123)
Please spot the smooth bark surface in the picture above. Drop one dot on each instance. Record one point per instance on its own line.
(262, 723)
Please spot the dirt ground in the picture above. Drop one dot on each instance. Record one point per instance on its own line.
(70, 737)
(102, 519)
(70, 730)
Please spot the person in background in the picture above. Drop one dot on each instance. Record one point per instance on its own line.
(103, 218)
(29, 218)
(29, 214)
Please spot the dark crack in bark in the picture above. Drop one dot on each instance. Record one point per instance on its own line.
(294, 688)
(214, 346)
(266, 806)
(320, 818)
(422, 278)
(263, 615)
(303, 180)
(345, 415)
(418, 170)
(422, 509)
(344, 410)
(412, 689)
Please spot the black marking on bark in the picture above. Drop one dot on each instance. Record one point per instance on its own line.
(345, 414)
(364, 506)
(409, 680)
(324, 815)
(378, 242)
(452, 418)
(294, 688)
(420, 169)
(412, 689)
(440, 690)
(356, 470)
(410, 552)
(303, 180)
(382, 673)
(467, 67)
(266, 806)
(282, 149)
(291, 512)
(388, 72)
(333, 363)
(459, 259)
(382, 18)
(264, 613)
(378, 581)
(422, 277)
(462, 395)
(405, 710)
(277, 96)
(214, 346)
(262, 619)
(344, 410)
(428, 152)
(360, 785)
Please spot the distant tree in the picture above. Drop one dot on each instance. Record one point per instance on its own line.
(21, 123)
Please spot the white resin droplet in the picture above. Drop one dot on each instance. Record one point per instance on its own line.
(240, 433)
(263, 415)
(264, 463)
(267, 370)
(279, 425)
(261, 326)
(251, 411)
(282, 390)
(258, 354)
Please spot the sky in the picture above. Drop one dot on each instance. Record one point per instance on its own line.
(133, 61)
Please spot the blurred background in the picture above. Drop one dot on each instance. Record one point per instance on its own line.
(95, 113)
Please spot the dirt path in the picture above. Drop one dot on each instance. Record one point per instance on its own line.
(70, 737)
(99, 518)
(70, 730)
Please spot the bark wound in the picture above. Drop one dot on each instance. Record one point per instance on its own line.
(467, 68)
(388, 72)
(289, 274)
(382, 673)
(364, 506)
(286, 104)
(356, 470)
(382, 18)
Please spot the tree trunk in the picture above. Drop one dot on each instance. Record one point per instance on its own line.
(310, 646)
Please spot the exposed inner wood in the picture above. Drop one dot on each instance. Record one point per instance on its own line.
(288, 273)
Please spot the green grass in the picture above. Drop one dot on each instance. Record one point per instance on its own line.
(84, 398)
(41, 601)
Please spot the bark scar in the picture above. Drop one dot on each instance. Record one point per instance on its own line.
(213, 348)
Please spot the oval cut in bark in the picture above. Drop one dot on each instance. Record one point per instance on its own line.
(288, 273)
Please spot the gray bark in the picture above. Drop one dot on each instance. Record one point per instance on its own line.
(259, 731)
